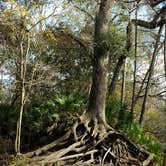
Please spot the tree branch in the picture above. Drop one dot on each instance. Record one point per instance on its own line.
(41, 20)
(150, 25)
(154, 3)
(158, 20)
(92, 18)
(154, 95)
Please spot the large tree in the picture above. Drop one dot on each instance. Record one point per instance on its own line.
(90, 139)
(96, 108)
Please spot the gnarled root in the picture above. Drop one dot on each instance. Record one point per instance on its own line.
(92, 126)
(90, 141)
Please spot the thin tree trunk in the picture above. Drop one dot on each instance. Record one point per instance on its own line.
(135, 68)
(114, 80)
(19, 124)
(151, 68)
(164, 160)
(143, 82)
(1, 85)
(23, 66)
(121, 60)
(128, 48)
(123, 84)
(100, 64)
(165, 52)
(141, 88)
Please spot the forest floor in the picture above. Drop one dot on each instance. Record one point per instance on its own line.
(65, 149)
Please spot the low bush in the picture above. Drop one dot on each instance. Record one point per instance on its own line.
(117, 114)
(137, 134)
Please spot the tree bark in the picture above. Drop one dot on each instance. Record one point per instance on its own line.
(135, 66)
(123, 84)
(165, 52)
(164, 160)
(23, 66)
(100, 64)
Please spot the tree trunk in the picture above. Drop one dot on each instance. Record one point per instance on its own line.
(128, 48)
(121, 59)
(19, 122)
(23, 66)
(135, 66)
(1, 85)
(164, 160)
(114, 80)
(165, 52)
(151, 68)
(96, 108)
(123, 84)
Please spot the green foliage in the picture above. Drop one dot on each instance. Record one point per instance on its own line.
(8, 115)
(41, 113)
(117, 115)
(72, 102)
(116, 40)
(44, 111)
(136, 133)
(113, 106)
(124, 118)
(123, 18)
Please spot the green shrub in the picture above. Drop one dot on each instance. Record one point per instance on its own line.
(136, 133)
(71, 103)
(113, 107)
(41, 113)
(117, 115)
(44, 111)
(8, 115)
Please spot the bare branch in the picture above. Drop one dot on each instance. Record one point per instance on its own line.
(154, 3)
(92, 18)
(158, 20)
(34, 25)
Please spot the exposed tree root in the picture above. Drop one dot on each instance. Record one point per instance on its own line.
(84, 145)
(49, 146)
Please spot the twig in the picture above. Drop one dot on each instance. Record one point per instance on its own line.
(85, 12)
(41, 20)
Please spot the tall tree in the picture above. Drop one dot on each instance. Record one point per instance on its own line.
(151, 69)
(96, 108)
(135, 66)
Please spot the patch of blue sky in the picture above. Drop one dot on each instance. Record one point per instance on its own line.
(6, 79)
(160, 5)
(69, 16)
(31, 57)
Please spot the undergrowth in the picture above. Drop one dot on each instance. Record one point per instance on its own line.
(136, 133)
(119, 117)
